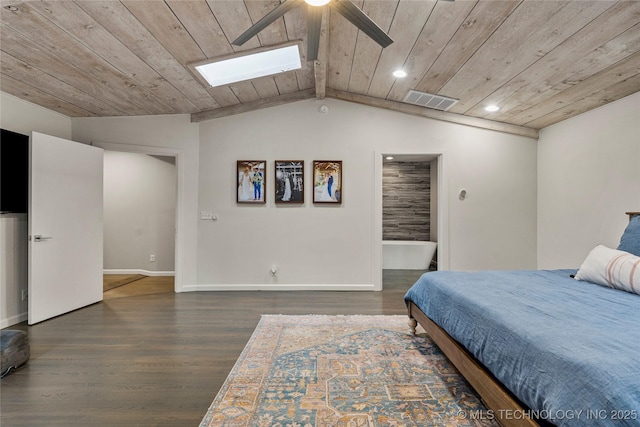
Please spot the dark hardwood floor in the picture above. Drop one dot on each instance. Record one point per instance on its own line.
(157, 359)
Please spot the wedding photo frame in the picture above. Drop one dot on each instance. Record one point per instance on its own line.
(327, 181)
(251, 180)
(289, 181)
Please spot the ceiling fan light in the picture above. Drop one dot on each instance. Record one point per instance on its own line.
(317, 2)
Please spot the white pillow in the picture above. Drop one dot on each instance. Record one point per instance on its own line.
(613, 268)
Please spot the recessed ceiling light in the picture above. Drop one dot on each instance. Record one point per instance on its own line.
(316, 2)
(389, 158)
(491, 108)
(400, 73)
(250, 65)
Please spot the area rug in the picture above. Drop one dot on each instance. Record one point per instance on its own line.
(360, 371)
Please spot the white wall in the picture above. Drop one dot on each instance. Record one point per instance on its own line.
(494, 228)
(139, 212)
(22, 117)
(588, 177)
(583, 175)
(160, 135)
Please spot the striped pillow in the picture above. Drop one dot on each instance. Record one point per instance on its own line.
(613, 268)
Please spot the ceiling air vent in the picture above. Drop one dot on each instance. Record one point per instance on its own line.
(428, 100)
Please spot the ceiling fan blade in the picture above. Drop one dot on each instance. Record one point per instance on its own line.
(314, 25)
(266, 20)
(362, 21)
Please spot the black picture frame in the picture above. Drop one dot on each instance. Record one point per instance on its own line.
(251, 181)
(327, 181)
(289, 181)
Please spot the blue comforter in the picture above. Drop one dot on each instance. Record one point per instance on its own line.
(568, 349)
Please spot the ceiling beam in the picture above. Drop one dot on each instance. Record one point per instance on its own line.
(320, 65)
(369, 101)
(252, 106)
(320, 69)
(432, 114)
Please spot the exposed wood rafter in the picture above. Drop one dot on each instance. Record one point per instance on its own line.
(320, 65)
(253, 105)
(433, 114)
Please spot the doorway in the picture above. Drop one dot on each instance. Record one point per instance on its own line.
(423, 239)
(139, 223)
(153, 263)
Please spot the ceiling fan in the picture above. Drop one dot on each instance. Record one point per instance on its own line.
(314, 21)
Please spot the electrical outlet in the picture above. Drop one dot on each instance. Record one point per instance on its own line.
(152, 258)
(25, 294)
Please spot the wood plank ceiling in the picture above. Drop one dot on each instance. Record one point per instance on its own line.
(540, 61)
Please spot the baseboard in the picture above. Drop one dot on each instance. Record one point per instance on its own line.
(13, 320)
(138, 271)
(279, 287)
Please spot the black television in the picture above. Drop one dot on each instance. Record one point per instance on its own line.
(14, 172)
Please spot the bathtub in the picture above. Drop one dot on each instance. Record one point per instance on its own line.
(407, 255)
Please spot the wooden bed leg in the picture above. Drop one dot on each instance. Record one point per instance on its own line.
(412, 324)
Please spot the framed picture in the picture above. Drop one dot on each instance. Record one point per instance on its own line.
(327, 181)
(289, 181)
(251, 177)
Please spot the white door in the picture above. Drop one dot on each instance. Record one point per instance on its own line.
(65, 226)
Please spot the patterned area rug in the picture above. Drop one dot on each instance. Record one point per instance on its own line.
(360, 371)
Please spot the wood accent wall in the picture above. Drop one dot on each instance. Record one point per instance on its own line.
(406, 201)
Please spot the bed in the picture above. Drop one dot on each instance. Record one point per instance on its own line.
(541, 347)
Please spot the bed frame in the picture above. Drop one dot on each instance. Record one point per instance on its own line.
(504, 406)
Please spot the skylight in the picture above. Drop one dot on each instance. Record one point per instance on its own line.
(250, 65)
